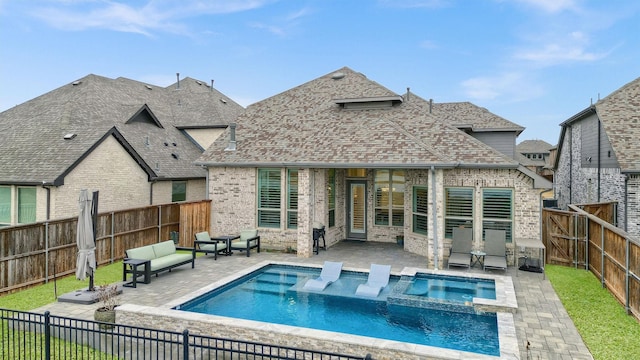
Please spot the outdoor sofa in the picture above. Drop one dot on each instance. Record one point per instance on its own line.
(162, 256)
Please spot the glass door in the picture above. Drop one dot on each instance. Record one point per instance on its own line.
(357, 210)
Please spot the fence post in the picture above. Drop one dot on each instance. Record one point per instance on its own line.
(113, 236)
(46, 252)
(47, 335)
(602, 257)
(627, 293)
(185, 344)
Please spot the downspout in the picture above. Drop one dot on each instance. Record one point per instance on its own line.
(151, 192)
(599, 156)
(434, 212)
(44, 185)
(206, 183)
(570, 132)
(626, 200)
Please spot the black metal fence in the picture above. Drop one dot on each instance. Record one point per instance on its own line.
(26, 335)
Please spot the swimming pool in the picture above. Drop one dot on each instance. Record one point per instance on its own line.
(168, 317)
(275, 294)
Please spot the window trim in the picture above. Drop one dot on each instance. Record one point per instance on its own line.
(467, 221)
(291, 207)
(271, 188)
(500, 220)
(390, 208)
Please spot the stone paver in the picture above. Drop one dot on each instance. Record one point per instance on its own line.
(543, 327)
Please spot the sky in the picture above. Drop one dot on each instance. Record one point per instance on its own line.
(533, 62)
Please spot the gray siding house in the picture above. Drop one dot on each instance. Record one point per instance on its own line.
(133, 142)
(598, 156)
(370, 165)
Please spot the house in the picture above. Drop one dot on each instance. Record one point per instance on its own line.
(133, 142)
(536, 155)
(368, 164)
(599, 156)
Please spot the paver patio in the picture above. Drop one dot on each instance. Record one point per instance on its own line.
(541, 321)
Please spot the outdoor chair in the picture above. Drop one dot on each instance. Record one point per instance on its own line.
(204, 244)
(495, 248)
(378, 279)
(249, 239)
(330, 272)
(461, 246)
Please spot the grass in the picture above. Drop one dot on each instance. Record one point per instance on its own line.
(41, 295)
(601, 320)
(606, 329)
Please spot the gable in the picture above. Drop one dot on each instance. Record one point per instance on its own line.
(145, 116)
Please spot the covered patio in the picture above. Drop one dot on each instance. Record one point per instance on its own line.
(543, 327)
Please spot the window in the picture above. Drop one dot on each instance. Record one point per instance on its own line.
(356, 173)
(5, 205)
(26, 205)
(458, 209)
(420, 210)
(389, 197)
(269, 197)
(178, 191)
(331, 195)
(292, 199)
(497, 210)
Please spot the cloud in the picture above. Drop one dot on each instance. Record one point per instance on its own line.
(507, 87)
(552, 6)
(154, 16)
(284, 24)
(428, 44)
(415, 3)
(573, 47)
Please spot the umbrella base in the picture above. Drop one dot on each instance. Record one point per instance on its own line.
(82, 296)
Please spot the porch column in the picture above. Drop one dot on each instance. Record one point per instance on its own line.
(305, 221)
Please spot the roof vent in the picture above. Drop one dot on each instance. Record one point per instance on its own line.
(223, 101)
(175, 156)
(76, 83)
(337, 76)
(69, 136)
(149, 87)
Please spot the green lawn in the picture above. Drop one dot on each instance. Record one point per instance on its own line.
(601, 320)
(606, 329)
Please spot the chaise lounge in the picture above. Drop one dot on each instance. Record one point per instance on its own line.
(378, 279)
(330, 272)
(461, 246)
(496, 249)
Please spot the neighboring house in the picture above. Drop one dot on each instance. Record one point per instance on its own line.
(599, 156)
(536, 155)
(370, 165)
(133, 142)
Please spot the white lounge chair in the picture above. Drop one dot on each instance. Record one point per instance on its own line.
(377, 280)
(330, 272)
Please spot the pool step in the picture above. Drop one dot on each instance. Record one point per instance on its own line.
(266, 287)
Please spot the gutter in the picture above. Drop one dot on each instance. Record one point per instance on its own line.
(324, 165)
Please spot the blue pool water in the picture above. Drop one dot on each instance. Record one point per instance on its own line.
(451, 288)
(274, 294)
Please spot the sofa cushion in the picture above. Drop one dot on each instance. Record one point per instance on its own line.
(243, 243)
(248, 234)
(169, 260)
(142, 253)
(164, 248)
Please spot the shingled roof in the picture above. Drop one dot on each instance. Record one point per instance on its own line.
(312, 126)
(146, 119)
(620, 116)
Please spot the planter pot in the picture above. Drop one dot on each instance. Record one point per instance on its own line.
(105, 316)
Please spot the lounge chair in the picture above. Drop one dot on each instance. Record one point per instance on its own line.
(461, 245)
(330, 272)
(496, 249)
(377, 280)
(204, 244)
(248, 240)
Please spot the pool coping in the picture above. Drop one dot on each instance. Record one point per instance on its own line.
(172, 319)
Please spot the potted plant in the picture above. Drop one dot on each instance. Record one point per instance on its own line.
(106, 313)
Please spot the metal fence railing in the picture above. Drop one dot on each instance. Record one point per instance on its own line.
(26, 335)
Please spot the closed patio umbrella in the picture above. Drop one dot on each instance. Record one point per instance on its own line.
(86, 261)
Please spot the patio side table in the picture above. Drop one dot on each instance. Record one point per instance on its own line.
(132, 266)
(477, 257)
(228, 239)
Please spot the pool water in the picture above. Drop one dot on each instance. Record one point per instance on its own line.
(451, 288)
(275, 294)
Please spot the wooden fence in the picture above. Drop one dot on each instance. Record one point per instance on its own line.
(35, 253)
(581, 239)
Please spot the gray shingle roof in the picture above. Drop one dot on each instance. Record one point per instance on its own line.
(620, 116)
(32, 134)
(305, 127)
(479, 119)
(534, 146)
